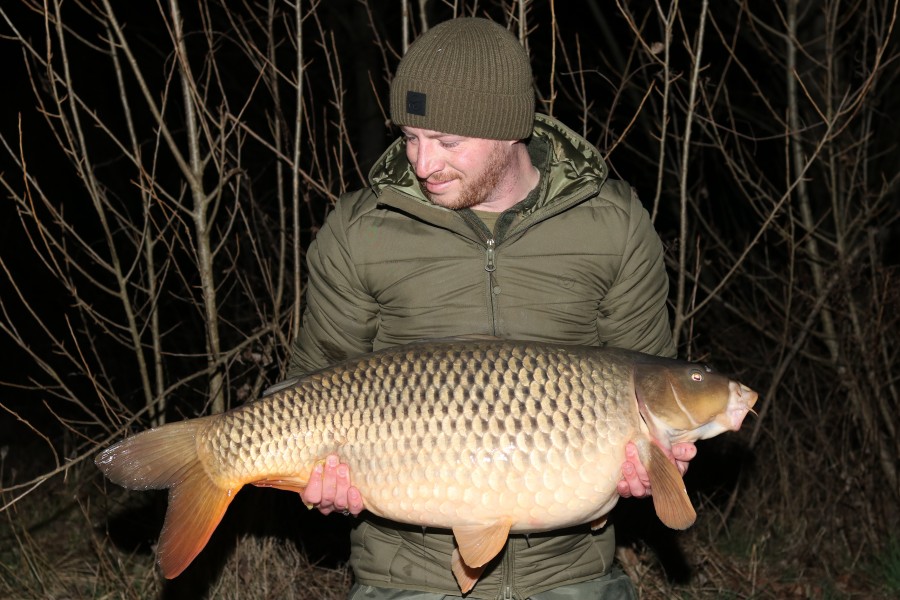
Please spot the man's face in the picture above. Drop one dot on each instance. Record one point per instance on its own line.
(455, 171)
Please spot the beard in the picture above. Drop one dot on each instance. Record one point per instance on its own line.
(475, 191)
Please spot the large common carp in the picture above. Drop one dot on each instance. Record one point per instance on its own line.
(484, 437)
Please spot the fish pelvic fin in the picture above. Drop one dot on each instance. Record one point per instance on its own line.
(167, 457)
(466, 576)
(476, 546)
(670, 499)
(480, 543)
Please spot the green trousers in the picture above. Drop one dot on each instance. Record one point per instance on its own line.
(615, 585)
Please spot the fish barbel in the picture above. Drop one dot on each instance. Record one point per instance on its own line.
(485, 437)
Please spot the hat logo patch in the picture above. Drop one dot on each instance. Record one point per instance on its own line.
(415, 103)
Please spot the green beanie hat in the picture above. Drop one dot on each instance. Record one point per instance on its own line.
(466, 76)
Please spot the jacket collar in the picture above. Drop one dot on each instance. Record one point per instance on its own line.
(571, 170)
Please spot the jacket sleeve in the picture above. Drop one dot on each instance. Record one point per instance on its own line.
(633, 313)
(340, 317)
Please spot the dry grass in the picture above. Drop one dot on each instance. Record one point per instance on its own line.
(51, 547)
(62, 546)
(277, 569)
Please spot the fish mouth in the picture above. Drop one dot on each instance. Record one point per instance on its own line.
(739, 404)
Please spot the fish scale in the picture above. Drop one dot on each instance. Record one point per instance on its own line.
(473, 418)
(484, 437)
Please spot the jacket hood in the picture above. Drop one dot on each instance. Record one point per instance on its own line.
(568, 164)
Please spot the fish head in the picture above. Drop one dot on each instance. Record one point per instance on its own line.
(683, 402)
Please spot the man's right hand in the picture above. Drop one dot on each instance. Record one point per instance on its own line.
(329, 488)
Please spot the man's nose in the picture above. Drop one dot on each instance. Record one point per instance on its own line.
(426, 163)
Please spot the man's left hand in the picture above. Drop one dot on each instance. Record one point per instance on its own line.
(329, 488)
(635, 482)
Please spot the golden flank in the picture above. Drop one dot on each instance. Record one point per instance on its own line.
(485, 437)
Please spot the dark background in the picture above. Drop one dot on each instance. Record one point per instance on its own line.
(793, 274)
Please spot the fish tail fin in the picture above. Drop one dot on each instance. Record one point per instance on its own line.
(167, 458)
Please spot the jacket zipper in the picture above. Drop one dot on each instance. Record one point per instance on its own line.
(490, 266)
(489, 242)
(489, 246)
(506, 572)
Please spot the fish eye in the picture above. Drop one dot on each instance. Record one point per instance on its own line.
(696, 375)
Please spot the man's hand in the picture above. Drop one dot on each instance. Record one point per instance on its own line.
(329, 489)
(635, 481)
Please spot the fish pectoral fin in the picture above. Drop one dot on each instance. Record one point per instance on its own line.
(598, 523)
(480, 543)
(466, 576)
(670, 499)
(289, 484)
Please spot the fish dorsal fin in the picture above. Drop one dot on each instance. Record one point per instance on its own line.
(280, 386)
(480, 543)
(670, 499)
(466, 576)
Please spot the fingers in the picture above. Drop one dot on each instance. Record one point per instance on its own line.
(341, 486)
(632, 485)
(329, 489)
(329, 485)
(355, 501)
(312, 495)
(635, 482)
(683, 453)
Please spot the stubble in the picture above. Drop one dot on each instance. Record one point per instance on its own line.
(476, 191)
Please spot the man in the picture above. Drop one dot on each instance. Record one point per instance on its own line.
(484, 218)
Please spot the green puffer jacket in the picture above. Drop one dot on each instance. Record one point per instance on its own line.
(578, 261)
